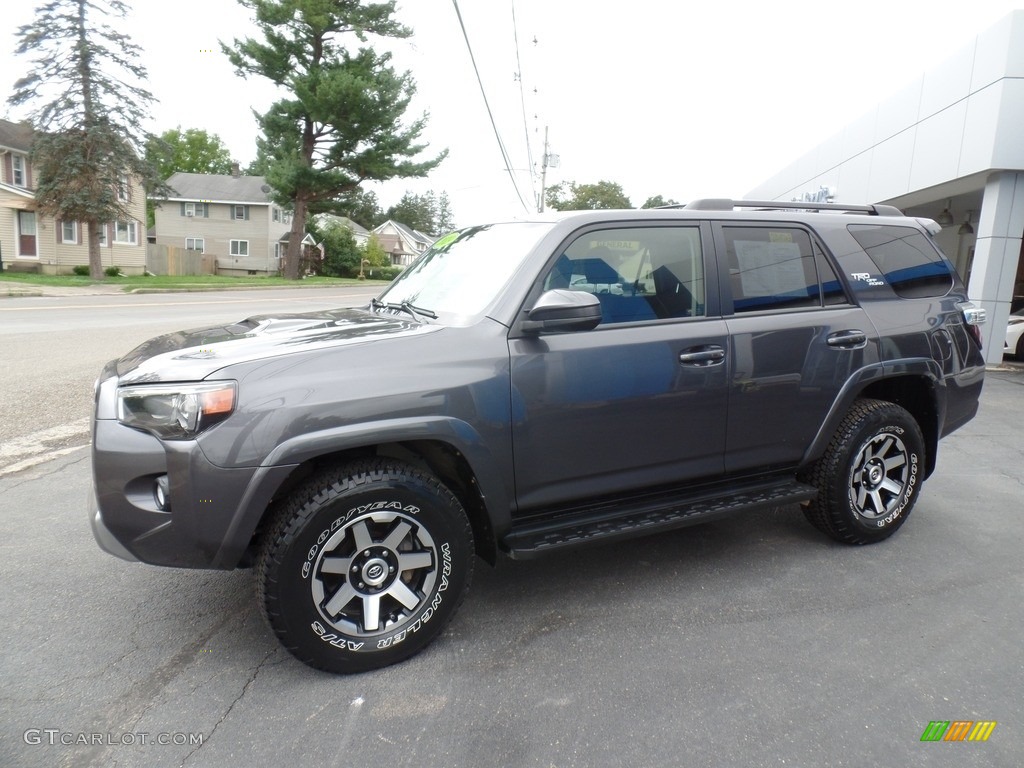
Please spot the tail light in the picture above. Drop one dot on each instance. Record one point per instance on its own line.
(974, 317)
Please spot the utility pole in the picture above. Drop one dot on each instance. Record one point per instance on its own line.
(546, 161)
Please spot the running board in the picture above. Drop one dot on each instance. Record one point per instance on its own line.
(533, 539)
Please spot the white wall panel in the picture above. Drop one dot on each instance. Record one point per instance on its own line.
(937, 147)
(947, 83)
(890, 167)
(899, 112)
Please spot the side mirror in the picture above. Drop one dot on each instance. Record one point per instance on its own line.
(562, 310)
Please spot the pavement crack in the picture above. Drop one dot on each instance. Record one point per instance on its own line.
(231, 706)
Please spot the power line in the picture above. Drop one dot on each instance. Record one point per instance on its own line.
(487, 104)
(522, 102)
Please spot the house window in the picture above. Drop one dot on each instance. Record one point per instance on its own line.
(69, 232)
(195, 244)
(126, 232)
(103, 235)
(239, 212)
(277, 213)
(18, 166)
(194, 209)
(239, 247)
(122, 189)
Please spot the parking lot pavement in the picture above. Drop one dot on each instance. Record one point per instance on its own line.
(750, 641)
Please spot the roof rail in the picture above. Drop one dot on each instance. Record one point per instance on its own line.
(725, 204)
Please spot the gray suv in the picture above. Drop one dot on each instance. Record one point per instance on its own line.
(529, 386)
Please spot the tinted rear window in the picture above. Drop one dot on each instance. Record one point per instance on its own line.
(906, 258)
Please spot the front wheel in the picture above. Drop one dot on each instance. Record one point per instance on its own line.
(364, 565)
(869, 477)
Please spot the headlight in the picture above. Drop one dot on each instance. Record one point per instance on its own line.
(176, 411)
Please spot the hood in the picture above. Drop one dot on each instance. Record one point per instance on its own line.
(195, 354)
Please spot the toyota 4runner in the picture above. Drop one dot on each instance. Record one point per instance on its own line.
(528, 386)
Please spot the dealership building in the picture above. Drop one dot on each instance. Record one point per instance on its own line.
(949, 147)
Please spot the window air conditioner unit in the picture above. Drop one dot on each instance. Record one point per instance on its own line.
(190, 214)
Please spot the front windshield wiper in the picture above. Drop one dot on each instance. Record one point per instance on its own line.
(405, 306)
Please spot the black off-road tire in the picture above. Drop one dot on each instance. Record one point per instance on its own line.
(364, 565)
(870, 476)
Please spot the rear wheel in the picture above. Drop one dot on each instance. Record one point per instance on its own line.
(869, 477)
(364, 566)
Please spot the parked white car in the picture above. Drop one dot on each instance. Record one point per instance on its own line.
(1014, 344)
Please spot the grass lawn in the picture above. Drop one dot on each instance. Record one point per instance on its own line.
(180, 283)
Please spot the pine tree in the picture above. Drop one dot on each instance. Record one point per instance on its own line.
(86, 114)
(341, 124)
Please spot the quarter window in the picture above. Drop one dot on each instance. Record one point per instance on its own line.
(638, 274)
(239, 247)
(906, 259)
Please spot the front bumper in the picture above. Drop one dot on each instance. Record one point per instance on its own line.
(107, 541)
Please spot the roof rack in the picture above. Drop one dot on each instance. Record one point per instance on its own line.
(725, 204)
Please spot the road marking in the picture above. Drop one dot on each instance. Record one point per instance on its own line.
(37, 447)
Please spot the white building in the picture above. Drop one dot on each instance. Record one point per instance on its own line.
(950, 147)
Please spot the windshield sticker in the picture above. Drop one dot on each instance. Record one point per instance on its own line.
(866, 277)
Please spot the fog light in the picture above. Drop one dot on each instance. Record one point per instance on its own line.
(162, 493)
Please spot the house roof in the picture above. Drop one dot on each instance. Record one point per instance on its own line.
(408, 233)
(15, 136)
(219, 188)
(345, 221)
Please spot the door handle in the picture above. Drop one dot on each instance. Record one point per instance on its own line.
(703, 356)
(852, 339)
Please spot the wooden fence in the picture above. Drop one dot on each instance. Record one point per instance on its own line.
(171, 260)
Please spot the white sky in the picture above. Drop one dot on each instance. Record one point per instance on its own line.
(681, 99)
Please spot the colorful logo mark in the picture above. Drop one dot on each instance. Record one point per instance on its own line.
(958, 730)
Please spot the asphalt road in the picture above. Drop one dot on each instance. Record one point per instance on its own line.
(53, 348)
(751, 641)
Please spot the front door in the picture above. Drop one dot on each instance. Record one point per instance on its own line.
(638, 402)
(27, 234)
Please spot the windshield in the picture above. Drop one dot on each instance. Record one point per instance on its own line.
(463, 272)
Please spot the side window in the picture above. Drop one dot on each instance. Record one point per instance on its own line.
(906, 258)
(774, 268)
(637, 273)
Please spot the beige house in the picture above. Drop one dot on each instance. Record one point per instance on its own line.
(228, 216)
(31, 242)
(402, 244)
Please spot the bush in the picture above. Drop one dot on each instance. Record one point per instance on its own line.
(81, 270)
(110, 271)
(383, 273)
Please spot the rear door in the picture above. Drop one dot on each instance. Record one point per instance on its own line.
(796, 339)
(639, 401)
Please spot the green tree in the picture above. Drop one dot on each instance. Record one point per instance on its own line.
(341, 252)
(570, 196)
(190, 151)
(362, 207)
(88, 107)
(429, 212)
(375, 254)
(657, 201)
(341, 122)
